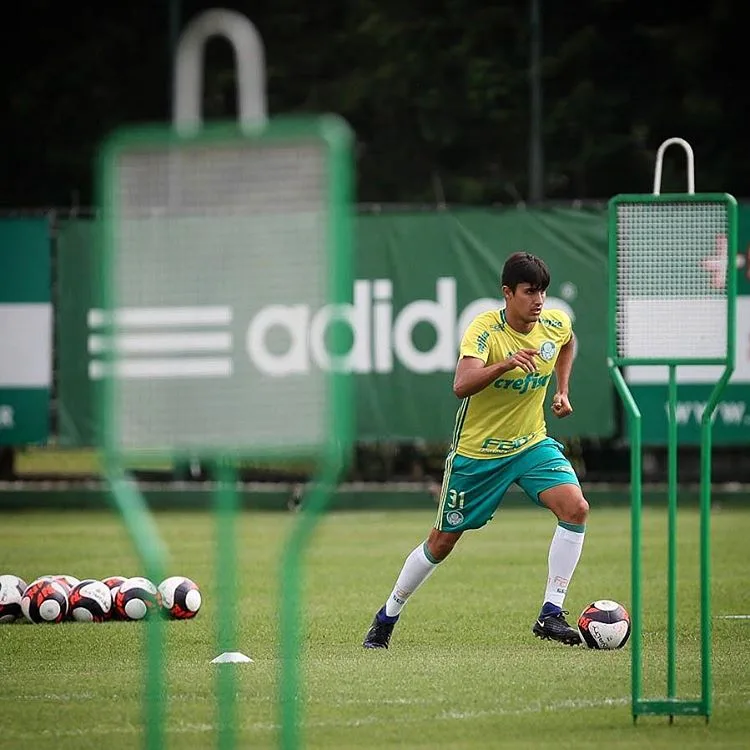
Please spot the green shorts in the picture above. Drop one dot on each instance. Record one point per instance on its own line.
(473, 488)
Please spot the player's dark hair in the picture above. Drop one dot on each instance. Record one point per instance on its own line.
(525, 268)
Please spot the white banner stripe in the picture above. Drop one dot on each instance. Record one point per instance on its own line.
(164, 368)
(162, 343)
(152, 317)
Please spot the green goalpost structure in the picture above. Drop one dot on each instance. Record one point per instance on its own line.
(202, 227)
(663, 312)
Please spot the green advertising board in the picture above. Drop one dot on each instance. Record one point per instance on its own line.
(79, 291)
(25, 331)
(419, 279)
(426, 276)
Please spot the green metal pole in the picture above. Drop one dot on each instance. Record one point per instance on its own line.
(705, 541)
(672, 538)
(636, 513)
(336, 455)
(705, 568)
(706, 444)
(310, 513)
(226, 586)
(145, 536)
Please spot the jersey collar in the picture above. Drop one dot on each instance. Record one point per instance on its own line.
(508, 325)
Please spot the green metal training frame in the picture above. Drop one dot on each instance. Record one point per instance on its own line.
(203, 228)
(658, 293)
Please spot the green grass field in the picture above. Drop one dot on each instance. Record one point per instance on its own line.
(463, 670)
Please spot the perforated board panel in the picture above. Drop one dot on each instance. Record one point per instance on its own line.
(220, 260)
(671, 297)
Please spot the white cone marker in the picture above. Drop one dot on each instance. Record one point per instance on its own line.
(231, 657)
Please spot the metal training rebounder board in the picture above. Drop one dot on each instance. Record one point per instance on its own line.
(218, 245)
(672, 261)
(211, 242)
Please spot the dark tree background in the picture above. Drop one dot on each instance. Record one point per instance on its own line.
(437, 91)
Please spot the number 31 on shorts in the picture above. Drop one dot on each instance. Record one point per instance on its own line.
(456, 499)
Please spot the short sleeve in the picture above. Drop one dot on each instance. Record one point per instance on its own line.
(567, 330)
(476, 340)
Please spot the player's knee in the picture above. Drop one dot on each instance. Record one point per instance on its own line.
(441, 548)
(579, 510)
(440, 544)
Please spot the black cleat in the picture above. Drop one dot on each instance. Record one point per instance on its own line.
(379, 634)
(554, 627)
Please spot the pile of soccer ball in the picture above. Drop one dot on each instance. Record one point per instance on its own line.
(55, 598)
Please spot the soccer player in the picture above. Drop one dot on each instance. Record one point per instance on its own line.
(506, 360)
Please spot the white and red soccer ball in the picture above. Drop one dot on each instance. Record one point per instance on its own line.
(113, 583)
(604, 624)
(90, 601)
(45, 600)
(179, 597)
(67, 581)
(54, 598)
(136, 598)
(11, 593)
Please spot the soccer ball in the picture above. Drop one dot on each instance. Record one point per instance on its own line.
(68, 582)
(604, 624)
(135, 598)
(11, 591)
(113, 584)
(90, 601)
(180, 597)
(44, 600)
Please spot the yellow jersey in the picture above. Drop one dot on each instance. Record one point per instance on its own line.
(508, 415)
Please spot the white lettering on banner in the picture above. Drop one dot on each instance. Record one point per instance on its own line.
(7, 417)
(150, 369)
(382, 289)
(729, 413)
(145, 354)
(283, 340)
(149, 317)
(377, 334)
(357, 316)
(441, 315)
(294, 318)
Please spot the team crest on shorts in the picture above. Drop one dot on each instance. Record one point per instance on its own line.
(547, 350)
(454, 517)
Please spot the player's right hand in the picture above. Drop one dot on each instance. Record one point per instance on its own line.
(523, 358)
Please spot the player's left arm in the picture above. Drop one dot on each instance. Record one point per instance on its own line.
(560, 402)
